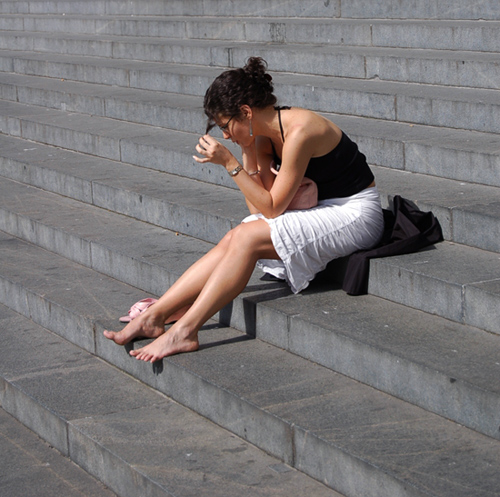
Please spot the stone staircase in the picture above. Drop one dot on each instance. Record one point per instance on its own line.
(395, 393)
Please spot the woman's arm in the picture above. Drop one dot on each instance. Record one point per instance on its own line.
(273, 202)
(251, 166)
(258, 157)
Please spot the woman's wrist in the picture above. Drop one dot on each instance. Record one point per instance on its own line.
(231, 164)
(235, 171)
(238, 168)
(250, 160)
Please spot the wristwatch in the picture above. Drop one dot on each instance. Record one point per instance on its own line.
(236, 170)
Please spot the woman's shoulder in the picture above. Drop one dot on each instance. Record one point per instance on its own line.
(309, 126)
(303, 119)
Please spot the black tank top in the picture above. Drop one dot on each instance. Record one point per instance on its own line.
(340, 173)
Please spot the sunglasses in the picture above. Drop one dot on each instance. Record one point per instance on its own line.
(222, 127)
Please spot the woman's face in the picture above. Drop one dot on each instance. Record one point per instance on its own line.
(223, 124)
(235, 129)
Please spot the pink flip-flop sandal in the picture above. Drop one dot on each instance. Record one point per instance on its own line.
(138, 308)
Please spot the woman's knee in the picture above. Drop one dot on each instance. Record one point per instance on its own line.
(253, 237)
(225, 240)
(242, 235)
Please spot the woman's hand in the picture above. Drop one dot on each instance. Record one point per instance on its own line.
(213, 151)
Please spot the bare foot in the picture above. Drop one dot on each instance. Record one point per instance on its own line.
(168, 344)
(141, 326)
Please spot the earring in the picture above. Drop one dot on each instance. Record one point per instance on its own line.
(251, 130)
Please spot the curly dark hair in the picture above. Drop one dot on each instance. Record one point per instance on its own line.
(249, 85)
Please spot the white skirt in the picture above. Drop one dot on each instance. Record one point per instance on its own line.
(307, 240)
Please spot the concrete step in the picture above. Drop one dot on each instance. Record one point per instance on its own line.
(350, 436)
(461, 108)
(31, 467)
(271, 8)
(398, 350)
(434, 9)
(479, 36)
(437, 67)
(182, 205)
(156, 108)
(468, 213)
(132, 438)
(171, 201)
(426, 279)
(390, 9)
(454, 154)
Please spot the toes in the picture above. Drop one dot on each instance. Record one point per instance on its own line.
(111, 335)
(140, 354)
(116, 336)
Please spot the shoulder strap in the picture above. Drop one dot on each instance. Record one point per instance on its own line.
(281, 124)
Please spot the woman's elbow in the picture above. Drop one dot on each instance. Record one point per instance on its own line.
(272, 209)
(272, 212)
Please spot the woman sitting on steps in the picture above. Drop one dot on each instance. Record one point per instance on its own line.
(293, 245)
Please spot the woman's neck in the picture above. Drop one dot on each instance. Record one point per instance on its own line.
(266, 123)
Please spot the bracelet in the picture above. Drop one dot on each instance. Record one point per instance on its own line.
(253, 173)
(236, 170)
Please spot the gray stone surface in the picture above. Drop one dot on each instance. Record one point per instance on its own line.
(152, 259)
(30, 467)
(130, 437)
(432, 9)
(62, 233)
(428, 34)
(476, 70)
(424, 280)
(447, 153)
(272, 398)
(452, 154)
(44, 390)
(238, 383)
(433, 363)
(416, 88)
(480, 307)
(406, 102)
(300, 393)
(435, 34)
(58, 279)
(452, 202)
(479, 221)
(162, 201)
(201, 458)
(429, 9)
(108, 72)
(415, 103)
(467, 212)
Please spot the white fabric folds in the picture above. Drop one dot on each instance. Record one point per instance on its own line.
(307, 240)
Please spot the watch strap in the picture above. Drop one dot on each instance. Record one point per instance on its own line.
(236, 170)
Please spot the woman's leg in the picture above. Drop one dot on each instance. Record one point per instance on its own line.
(248, 243)
(176, 300)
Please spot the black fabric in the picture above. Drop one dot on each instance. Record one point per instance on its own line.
(340, 173)
(407, 230)
(279, 109)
